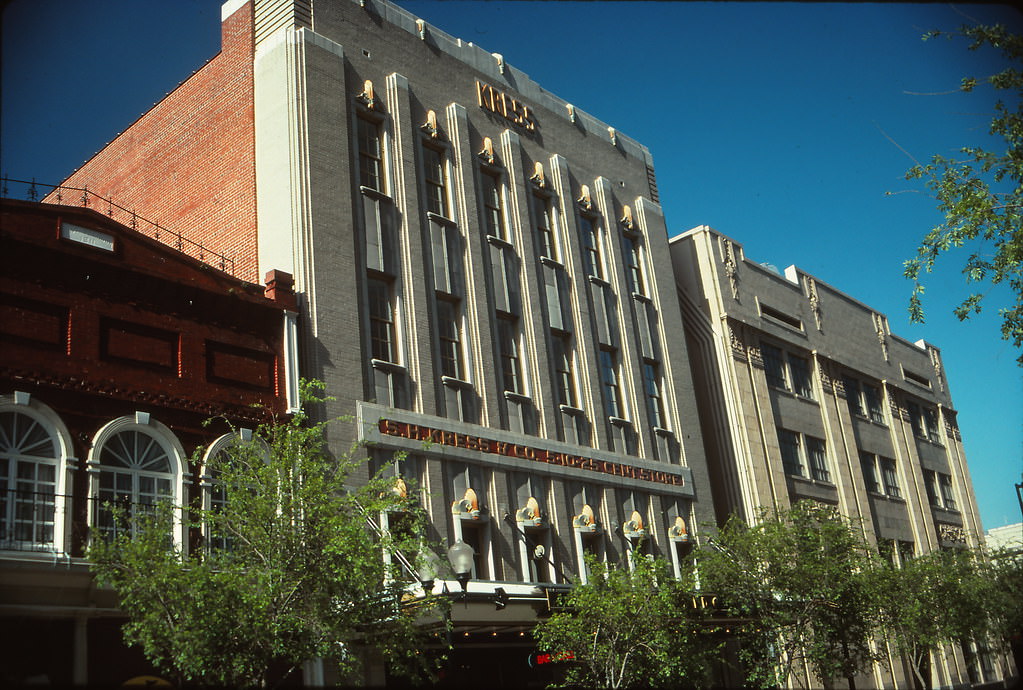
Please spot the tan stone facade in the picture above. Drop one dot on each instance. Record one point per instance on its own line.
(806, 394)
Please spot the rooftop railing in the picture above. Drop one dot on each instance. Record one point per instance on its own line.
(82, 197)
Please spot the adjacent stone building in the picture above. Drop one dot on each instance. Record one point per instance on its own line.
(804, 393)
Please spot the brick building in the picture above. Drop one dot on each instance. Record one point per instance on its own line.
(116, 349)
(804, 393)
(483, 275)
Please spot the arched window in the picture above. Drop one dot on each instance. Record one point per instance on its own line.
(214, 495)
(33, 459)
(135, 463)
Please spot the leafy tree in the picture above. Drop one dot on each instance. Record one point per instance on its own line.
(941, 597)
(1004, 572)
(802, 577)
(630, 628)
(980, 193)
(290, 571)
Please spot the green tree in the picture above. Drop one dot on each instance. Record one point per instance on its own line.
(941, 597)
(1004, 572)
(980, 193)
(630, 628)
(802, 577)
(290, 571)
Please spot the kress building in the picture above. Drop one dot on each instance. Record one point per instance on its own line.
(483, 274)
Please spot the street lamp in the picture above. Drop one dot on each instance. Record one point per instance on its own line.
(427, 566)
(460, 556)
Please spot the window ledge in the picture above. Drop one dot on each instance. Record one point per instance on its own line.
(598, 281)
(794, 395)
(376, 194)
(437, 218)
(640, 297)
(393, 367)
(499, 242)
(925, 439)
(452, 382)
(618, 421)
(816, 482)
(661, 431)
(517, 397)
(569, 409)
(553, 263)
(778, 322)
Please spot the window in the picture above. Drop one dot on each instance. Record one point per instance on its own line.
(435, 180)
(29, 458)
(592, 261)
(564, 381)
(872, 395)
(781, 317)
(508, 349)
(945, 484)
(939, 490)
(545, 226)
(136, 470)
(633, 265)
(774, 366)
(787, 371)
(800, 369)
(493, 213)
(818, 459)
(449, 332)
(654, 400)
(890, 477)
(852, 396)
(888, 484)
(791, 458)
(371, 168)
(236, 447)
(925, 422)
(869, 468)
(609, 381)
(930, 424)
(383, 344)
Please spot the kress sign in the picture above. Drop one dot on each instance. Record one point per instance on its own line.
(504, 105)
(390, 427)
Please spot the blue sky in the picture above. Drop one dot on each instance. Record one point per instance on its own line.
(782, 125)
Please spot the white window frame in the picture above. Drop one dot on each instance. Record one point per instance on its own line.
(143, 423)
(23, 403)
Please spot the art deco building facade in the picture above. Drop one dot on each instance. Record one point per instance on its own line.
(805, 394)
(116, 350)
(483, 274)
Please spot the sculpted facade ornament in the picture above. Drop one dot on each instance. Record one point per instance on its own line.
(881, 327)
(939, 370)
(952, 533)
(951, 424)
(827, 382)
(755, 356)
(738, 347)
(815, 301)
(731, 269)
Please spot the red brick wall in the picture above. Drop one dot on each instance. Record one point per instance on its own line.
(189, 162)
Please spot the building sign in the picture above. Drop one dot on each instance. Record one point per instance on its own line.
(417, 432)
(504, 105)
